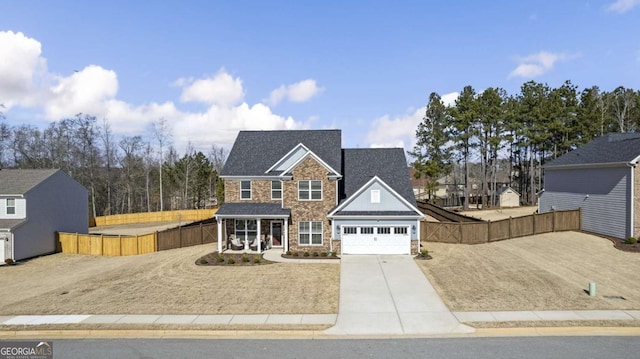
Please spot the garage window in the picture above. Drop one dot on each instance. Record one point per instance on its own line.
(384, 230)
(310, 233)
(366, 230)
(350, 230)
(400, 230)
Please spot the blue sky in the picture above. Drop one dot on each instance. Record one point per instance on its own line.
(213, 68)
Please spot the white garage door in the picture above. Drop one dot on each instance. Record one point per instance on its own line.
(4, 239)
(376, 240)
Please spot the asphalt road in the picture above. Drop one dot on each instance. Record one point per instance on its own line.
(498, 348)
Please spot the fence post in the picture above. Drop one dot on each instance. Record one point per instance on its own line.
(201, 234)
(120, 241)
(155, 241)
(488, 231)
(137, 245)
(553, 222)
(510, 225)
(534, 223)
(180, 235)
(580, 218)
(77, 244)
(461, 232)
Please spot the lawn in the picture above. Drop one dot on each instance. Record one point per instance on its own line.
(542, 272)
(166, 282)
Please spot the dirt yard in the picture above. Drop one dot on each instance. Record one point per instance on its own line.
(503, 213)
(136, 228)
(543, 272)
(166, 282)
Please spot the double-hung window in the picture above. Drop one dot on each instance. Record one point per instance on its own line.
(276, 190)
(11, 206)
(245, 189)
(246, 229)
(310, 190)
(310, 233)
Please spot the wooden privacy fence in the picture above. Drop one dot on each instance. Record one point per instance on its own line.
(148, 217)
(110, 245)
(483, 232)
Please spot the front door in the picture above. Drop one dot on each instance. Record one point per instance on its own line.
(276, 234)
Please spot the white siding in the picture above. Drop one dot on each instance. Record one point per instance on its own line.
(602, 193)
(21, 209)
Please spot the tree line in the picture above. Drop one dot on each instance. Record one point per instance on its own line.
(123, 174)
(523, 130)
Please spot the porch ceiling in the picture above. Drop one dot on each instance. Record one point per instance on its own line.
(252, 210)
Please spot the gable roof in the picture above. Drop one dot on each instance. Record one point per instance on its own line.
(612, 148)
(360, 165)
(19, 182)
(255, 152)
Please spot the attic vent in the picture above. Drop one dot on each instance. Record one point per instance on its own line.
(375, 196)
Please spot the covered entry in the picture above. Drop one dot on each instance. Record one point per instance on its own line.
(363, 239)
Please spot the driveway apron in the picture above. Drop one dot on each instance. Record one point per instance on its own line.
(389, 295)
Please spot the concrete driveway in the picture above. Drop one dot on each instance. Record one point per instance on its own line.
(389, 295)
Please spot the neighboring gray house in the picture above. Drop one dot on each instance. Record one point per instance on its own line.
(34, 205)
(602, 179)
(300, 191)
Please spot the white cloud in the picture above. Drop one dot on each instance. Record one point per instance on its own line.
(449, 99)
(220, 89)
(26, 83)
(21, 67)
(398, 131)
(298, 92)
(537, 64)
(622, 6)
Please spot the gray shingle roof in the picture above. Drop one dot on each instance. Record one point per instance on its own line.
(253, 209)
(254, 152)
(389, 164)
(21, 181)
(10, 223)
(610, 148)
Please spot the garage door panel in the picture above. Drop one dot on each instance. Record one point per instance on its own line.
(359, 243)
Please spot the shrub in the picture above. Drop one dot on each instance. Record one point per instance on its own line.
(231, 261)
(203, 261)
(306, 254)
(315, 254)
(632, 240)
(323, 254)
(295, 254)
(288, 253)
(256, 259)
(8, 261)
(424, 252)
(334, 254)
(245, 259)
(220, 259)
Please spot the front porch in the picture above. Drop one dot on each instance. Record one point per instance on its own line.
(252, 227)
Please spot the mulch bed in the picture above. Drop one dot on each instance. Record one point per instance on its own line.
(620, 244)
(311, 256)
(232, 260)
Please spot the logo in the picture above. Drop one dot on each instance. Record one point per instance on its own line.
(26, 350)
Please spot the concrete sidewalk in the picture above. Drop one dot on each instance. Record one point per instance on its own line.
(547, 315)
(328, 319)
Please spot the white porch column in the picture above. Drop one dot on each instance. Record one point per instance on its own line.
(259, 235)
(286, 234)
(220, 239)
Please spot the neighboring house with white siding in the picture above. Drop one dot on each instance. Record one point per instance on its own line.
(34, 205)
(602, 179)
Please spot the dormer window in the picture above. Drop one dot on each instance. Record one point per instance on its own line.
(11, 206)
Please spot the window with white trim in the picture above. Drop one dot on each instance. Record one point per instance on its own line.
(310, 233)
(11, 206)
(276, 190)
(400, 230)
(245, 189)
(310, 190)
(366, 230)
(349, 230)
(384, 230)
(246, 229)
(375, 196)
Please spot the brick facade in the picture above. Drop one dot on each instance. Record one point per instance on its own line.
(309, 169)
(260, 192)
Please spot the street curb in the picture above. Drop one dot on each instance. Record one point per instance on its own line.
(557, 331)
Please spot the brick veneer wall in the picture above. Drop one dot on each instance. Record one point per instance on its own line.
(309, 169)
(260, 192)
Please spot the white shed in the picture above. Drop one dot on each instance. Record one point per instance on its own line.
(508, 197)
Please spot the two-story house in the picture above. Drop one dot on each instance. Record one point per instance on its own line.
(301, 191)
(34, 205)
